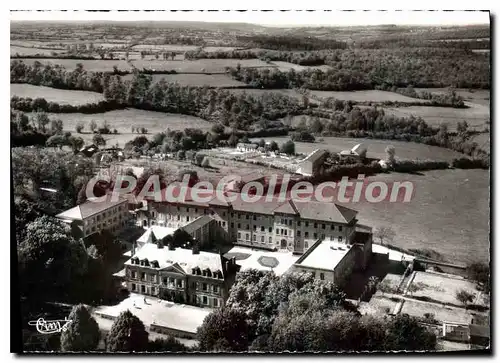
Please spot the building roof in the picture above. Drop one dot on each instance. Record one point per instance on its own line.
(324, 255)
(157, 232)
(89, 208)
(180, 257)
(313, 210)
(328, 212)
(315, 155)
(197, 224)
(287, 208)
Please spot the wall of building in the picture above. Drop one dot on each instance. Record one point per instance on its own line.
(279, 231)
(175, 286)
(112, 219)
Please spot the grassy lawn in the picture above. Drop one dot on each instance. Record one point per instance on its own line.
(123, 120)
(449, 213)
(55, 95)
(94, 65)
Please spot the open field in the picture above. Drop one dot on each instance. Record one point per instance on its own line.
(441, 312)
(54, 94)
(212, 80)
(31, 51)
(218, 49)
(164, 47)
(376, 148)
(443, 288)
(258, 92)
(123, 120)
(198, 65)
(286, 66)
(94, 65)
(483, 140)
(476, 115)
(449, 213)
(366, 96)
(479, 96)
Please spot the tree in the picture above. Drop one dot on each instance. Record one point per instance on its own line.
(385, 234)
(405, 333)
(390, 152)
(218, 128)
(479, 272)
(25, 212)
(169, 344)
(51, 261)
(198, 158)
(93, 125)
(39, 119)
(79, 127)
(99, 140)
(82, 334)
(464, 297)
(76, 143)
(56, 141)
(127, 334)
(288, 148)
(224, 329)
(56, 126)
(273, 146)
(233, 140)
(262, 143)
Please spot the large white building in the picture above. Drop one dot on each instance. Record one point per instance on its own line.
(96, 216)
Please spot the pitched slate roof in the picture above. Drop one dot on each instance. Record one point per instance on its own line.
(180, 257)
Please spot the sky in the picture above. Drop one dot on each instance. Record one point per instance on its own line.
(274, 18)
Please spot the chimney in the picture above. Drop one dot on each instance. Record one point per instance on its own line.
(196, 249)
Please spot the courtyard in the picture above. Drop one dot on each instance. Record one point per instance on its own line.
(250, 258)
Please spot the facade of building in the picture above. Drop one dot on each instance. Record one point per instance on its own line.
(313, 163)
(333, 261)
(276, 225)
(97, 215)
(181, 275)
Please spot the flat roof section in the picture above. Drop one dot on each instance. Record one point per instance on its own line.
(326, 255)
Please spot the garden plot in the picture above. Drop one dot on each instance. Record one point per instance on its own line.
(441, 287)
(440, 312)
